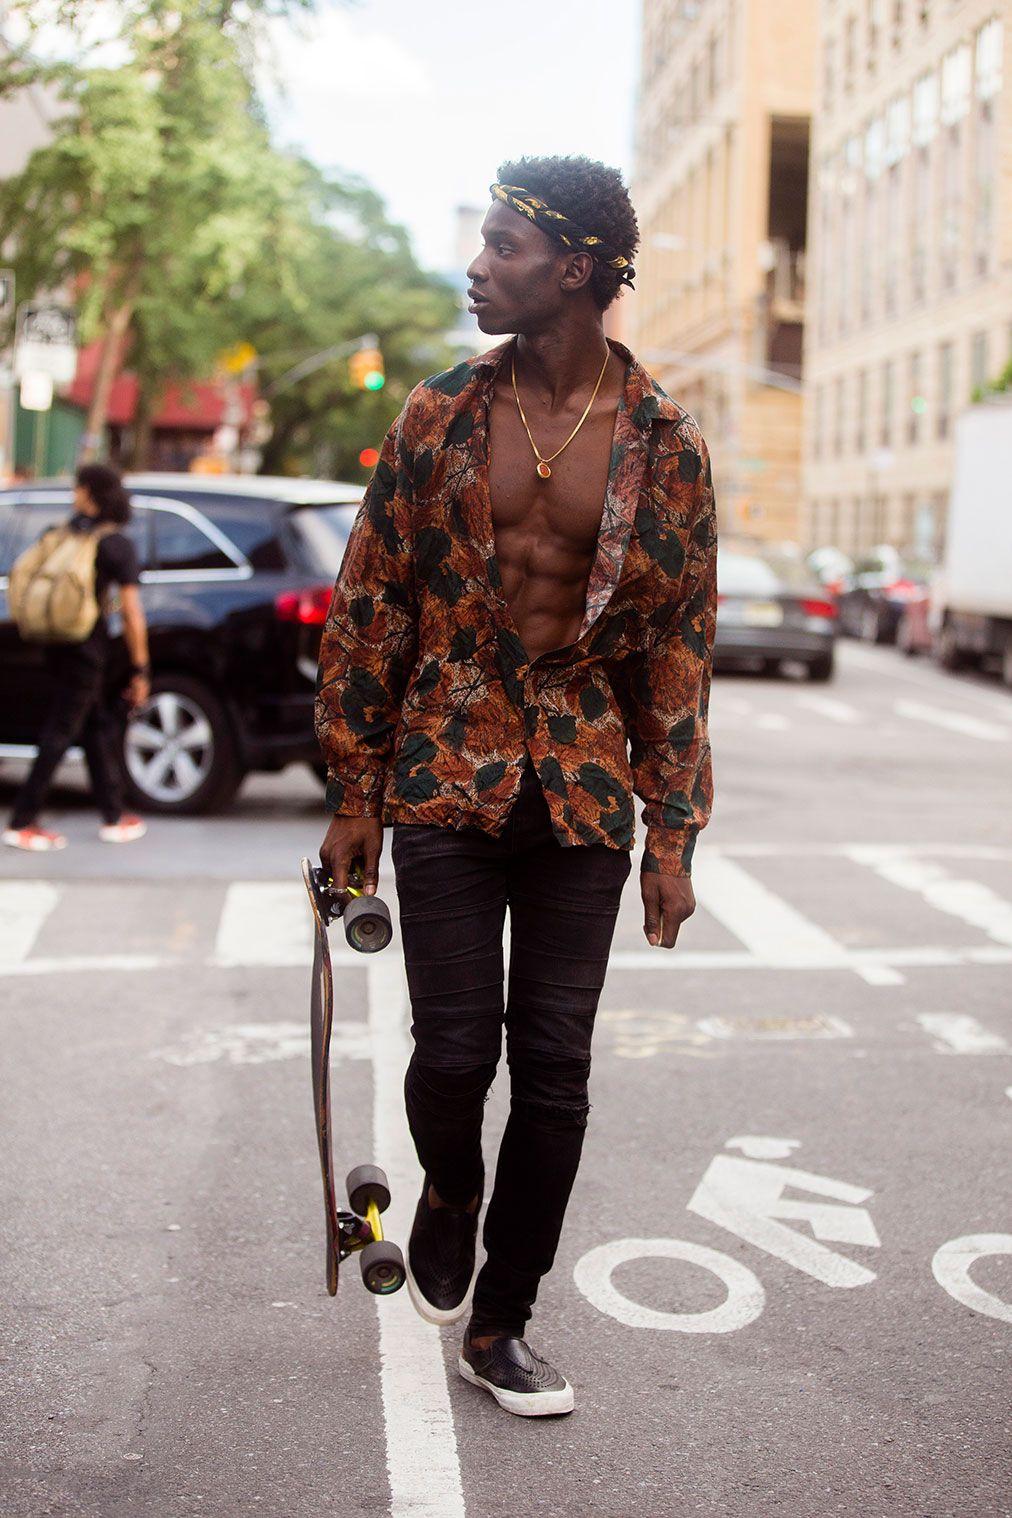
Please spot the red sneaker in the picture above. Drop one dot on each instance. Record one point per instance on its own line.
(33, 839)
(125, 830)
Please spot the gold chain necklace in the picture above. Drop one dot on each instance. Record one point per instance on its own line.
(544, 464)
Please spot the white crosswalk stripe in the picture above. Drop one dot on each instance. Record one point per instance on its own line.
(266, 923)
(954, 722)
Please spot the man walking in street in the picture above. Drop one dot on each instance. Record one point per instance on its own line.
(519, 640)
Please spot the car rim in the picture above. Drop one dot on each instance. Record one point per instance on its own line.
(169, 747)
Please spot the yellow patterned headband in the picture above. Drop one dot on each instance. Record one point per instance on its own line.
(561, 228)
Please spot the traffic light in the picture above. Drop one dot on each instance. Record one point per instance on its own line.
(365, 366)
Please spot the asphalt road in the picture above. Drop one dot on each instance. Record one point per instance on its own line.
(785, 1282)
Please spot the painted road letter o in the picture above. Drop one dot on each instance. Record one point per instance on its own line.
(951, 1269)
(745, 1296)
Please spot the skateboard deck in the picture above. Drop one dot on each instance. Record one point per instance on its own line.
(368, 1193)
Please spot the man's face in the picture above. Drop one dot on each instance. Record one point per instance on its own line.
(515, 281)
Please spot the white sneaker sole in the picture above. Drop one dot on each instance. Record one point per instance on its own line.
(440, 1316)
(126, 836)
(523, 1404)
(39, 846)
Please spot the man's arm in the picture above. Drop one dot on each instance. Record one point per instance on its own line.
(370, 637)
(667, 691)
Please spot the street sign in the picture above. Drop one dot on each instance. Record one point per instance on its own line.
(45, 342)
(36, 392)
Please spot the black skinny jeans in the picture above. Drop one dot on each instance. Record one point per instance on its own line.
(79, 713)
(453, 888)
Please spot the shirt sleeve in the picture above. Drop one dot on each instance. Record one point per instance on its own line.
(117, 557)
(667, 690)
(370, 638)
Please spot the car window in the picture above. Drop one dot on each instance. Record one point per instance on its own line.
(250, 522)
(741, 574)
(322, 534)
(28, 522)
(181, 544)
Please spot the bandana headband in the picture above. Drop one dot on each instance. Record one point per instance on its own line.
(561, 228)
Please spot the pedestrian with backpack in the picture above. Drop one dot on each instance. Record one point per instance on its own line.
(58, 595)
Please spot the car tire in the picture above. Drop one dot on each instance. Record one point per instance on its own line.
(870, 628)
(180, 755)
(822, 668)
(947, 650)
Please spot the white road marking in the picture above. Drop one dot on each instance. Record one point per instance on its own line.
(262, 1044)
(264, 922)
(884, 662)
(422, 1460)
(24, 907)
(953, 722)
(951, 1269)
(746, 1197)
(969, 900)
(79, 964)
(775, 932)
(829, 706)
(775, 1027)
(745, 1295)
(957, 1033)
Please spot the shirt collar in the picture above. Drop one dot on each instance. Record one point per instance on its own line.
(645, 401)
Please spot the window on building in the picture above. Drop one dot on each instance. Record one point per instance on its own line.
(896, 148)
(873, 34)
(849, 53)
(860, 439)
(850, 182)
(828, 74)
(987, 85)
(871, 241)
(943, 412)
(954, 106)
(712, 65)
(978, 362)
(916, 405)
(838, 398)
(896, 28)
(924, 12)
(885, 436)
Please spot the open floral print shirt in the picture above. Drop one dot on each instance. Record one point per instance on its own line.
(426, 699)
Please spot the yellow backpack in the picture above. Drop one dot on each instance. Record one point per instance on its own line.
(51, 591)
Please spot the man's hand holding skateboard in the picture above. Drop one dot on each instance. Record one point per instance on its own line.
(351, 839)
(667, 901)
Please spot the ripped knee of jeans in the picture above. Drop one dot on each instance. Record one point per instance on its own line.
(448, 1089)
(551, 1092)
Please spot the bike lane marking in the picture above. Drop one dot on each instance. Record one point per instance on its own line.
(951, 1269)
(423, 1464)
(959, 1033)
(744, 1302)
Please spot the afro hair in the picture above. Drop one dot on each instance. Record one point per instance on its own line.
(593, 196)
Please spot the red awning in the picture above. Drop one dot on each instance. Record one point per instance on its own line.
(197, 405)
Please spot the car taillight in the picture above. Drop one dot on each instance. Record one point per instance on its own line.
(816, 608)
(308, 607)
(902, 590)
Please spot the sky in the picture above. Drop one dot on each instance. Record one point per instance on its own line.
(424, 98)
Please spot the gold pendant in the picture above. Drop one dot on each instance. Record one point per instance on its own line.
(544, 470)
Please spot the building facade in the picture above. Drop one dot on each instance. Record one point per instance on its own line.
(720, 185)
(910, 260)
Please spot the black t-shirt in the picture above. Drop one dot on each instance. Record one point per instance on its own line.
(116, 563)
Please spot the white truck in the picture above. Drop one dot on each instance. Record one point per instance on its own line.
(972, 600)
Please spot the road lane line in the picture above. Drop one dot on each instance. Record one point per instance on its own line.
(264, 922)
(829, 706)
(774, 931)
(957, 1033)
(953, 722)
(885, 663)
(970, 901)
(422, 1459)
(24, 907)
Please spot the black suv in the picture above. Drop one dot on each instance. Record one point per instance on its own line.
(236, 578)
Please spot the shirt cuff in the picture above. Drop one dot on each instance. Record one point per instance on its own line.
(668, 851)
(349, 797)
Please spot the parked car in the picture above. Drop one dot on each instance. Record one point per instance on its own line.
(872, 597)
(830, 566)
(236, 578)
(771, 609)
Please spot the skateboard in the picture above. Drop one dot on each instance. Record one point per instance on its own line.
(367, 928)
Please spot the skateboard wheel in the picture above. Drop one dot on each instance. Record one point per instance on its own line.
(367, 924)
(367, 1183)
(382, 1266)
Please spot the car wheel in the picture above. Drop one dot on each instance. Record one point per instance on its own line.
(179, 750)
(871, 625)
(821, 668)
(904, 637)
(947, 650)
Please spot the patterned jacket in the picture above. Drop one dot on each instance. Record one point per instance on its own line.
(426, 700)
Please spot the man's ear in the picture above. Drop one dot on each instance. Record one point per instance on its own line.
(576, 271)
